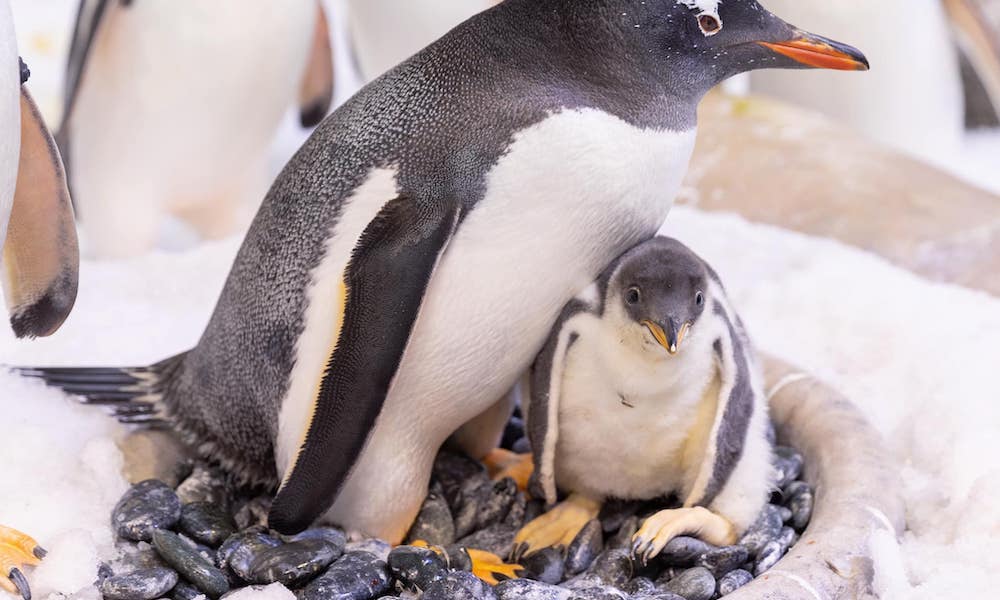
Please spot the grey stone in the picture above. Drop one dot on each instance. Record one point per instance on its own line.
(145, 584)
(145, 507)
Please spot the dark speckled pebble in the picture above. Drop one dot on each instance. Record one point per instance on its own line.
(613, 567)
(584, 548)
(185, 591)
(415, 568)
(733, 581)
(683, 551)
(434, 524)
(640, 586)
(459, 585)
(622, 539)
(145, 507)
(600, 593)
(497, 503)
(472, 496)
(453, 471)
(239, 551)
(205, 484)
(515, 516)
(379, 548)
(800, 501)
(354, 576)
(206, 523)
(769, 555)
(658, 596)
(723, 560)
(526, 589)
(189, 563)
(295, 563)
(765, 529)
(693, 584)
(497, 539)
(145, 584)
(788, 464)
(333, 536)
(252, 513)
(457, 557)
(546, 565)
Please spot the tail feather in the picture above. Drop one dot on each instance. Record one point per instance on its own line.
(132, 395)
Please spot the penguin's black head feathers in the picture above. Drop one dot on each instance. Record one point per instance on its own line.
(662, 286)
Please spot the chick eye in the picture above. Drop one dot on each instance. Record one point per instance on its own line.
(699, 298)
(632, 296)
(709, 24)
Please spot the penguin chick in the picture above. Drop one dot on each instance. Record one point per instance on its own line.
(648, 387)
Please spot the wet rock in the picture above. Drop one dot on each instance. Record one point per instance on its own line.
(497, 539)
(787, 464)
(692, 584)
(354, 576)
(205, 484)
(733, 581)
(189, 563)
(459, 585)
(239, 551)
(415, 568)
(380, 548)
(614, 513)
(765, 529)
(295, 563)
(683, 551)
(515, 516)
(104, 571)
(640, 586)
(547, 565)
(658, 596)
(185, 591)
(723, 560)
(145, 507)
(457, 558)
(584, 548)
(521, 446)
(533, 509)
(786, 514)
(526, 589)
(800, 502)
(252, 512)
(613, 567)
(513, 432)
(473, 494)
(599, 592)
(433, 524)
(496, 506)
(452, 471)
(333, 536)
(136, 557)
(622, 539)
(769, 555)
(206, 523)
(145, 584)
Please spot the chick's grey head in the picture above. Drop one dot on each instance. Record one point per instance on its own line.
(662, 288)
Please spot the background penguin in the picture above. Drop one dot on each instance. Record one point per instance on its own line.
(407, 265)
(647, 387)
(170, 107)
(40, 256)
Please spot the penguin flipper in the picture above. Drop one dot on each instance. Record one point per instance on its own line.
(316, 91)
(543, 407)
(980, 44)
(383, 287)
(41, 258)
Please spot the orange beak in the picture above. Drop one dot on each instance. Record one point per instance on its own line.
(820, 53)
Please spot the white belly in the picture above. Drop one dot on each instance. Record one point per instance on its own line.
(625, 420)
(181, 98)
(572, 193)
(10, 115)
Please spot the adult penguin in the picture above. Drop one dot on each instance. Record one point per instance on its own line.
(409, 261)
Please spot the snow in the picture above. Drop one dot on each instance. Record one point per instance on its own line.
(917, 357)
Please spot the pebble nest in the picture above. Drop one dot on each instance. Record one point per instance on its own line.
(206, 539)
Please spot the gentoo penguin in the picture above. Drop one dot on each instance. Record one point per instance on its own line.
(408, 263)
(38, 233)
(170, 107)
(647, 387)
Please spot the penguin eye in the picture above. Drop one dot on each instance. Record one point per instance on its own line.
(709, 24)
(632, 296)
(699, 298)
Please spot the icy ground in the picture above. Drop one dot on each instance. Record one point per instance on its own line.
(919, 358)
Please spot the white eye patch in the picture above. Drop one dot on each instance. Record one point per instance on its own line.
(708, 14)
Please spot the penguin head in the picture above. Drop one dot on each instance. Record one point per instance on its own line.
(661, 289)
(692, 45)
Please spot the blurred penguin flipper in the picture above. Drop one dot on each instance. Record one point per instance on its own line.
(979, 41)
(41, 257)
(316, 92)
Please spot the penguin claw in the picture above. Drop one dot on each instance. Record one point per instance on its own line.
(16, 551)
(665, 525)
(558, 527)
(502, 463)
(491, 568)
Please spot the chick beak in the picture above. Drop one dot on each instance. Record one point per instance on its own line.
(669, 337)
(819, 52)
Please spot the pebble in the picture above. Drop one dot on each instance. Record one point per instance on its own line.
(185, 591)
(459, 585)
(189, 563)
(658, 596)
(457, 557)
(497, 539)
(622, 539)
(253, 512)
(452, 471)
(295, 563)
(526, 589)
(683, 551)
(733, 581)
(332, 535)
(788, 464)
(692, 584)
(800, 502)
(765, 529)
(547, 565)
(515, 516)
(723, 560)
(434, 524)
(145, 584)
(613, 567)
(472, 495)
(600, 592)
(354, 576)
(497, 503)
(206, 523)
(379, 548)
(614, 513)
(239, 551)
(205, 484)
(415, 568)
(769, 555)
(584, 548)
(145, 507)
